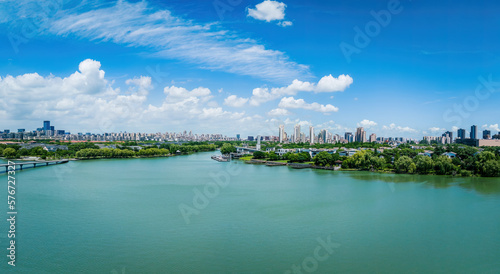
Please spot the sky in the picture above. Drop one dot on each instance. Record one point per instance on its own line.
(397, 68)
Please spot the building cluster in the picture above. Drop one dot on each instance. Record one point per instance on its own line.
(325, 137)
(49, 132)
(472, 139)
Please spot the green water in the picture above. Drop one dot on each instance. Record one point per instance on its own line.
(123, 216)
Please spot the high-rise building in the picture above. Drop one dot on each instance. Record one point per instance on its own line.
(237, 136)
(487, 134)
(46, 125)
(281, 133)
(349, 137)
(322, 136)
(461, 133)
(473, 132)
(448, 137)
(297, 133)
(360, 135)
(373, 137)
(311, 135)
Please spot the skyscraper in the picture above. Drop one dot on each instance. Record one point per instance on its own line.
(311, 135)
(448, 136)
(349, 137)
(461, 133)
(322, 136)
(360, 135)
(473, 132)
(46, 125)
(373, 138)
(297, 133)
(486, 134)
(281, 133)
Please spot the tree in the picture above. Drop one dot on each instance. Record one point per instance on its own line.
(423, 164)
(443, 166)
(405, 165)
(259, 155)
(304, 157)
(9, 152)
(227, 149)
(273, 156)
(491, 168)
(322, 159)
(377, 162)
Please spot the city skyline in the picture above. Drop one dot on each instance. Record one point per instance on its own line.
(324, 136)
(391, 67)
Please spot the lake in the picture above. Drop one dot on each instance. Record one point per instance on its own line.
(191, 214)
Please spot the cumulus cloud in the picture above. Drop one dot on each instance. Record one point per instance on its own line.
(268, 11)
(332, 84)
(290, 102)
(494, 127)
(235, 101)
(367, 124)
(278, 112)
(87, 101)
(400, 128)
(326, 84)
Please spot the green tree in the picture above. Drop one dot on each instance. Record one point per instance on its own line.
(405, 165)
(259, 155)
(443, 165)
(227, 149)
(273, 156)
(9, 152)
(322, 159)
(491, 168)
(424, 164)
(377, 162)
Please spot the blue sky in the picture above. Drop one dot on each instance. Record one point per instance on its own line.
(229, 66)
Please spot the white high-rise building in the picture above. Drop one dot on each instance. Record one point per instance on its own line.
(282, 133)
(297, 133)
(311, 135)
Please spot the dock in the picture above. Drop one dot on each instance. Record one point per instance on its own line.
(32, 164)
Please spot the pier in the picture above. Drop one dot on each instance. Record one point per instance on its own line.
(32, 164)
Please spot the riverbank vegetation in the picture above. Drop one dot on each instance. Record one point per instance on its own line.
(88, 150)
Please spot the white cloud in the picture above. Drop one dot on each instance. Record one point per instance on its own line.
(278, 112)
(268, 11)
(454, 128)
(171, 37)
(367, 124)
(436, 129)
(235, 101)
(400, 128)
(494, 127)
(326, 84)
(290, 102)
(332, 84)
(87, 101)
